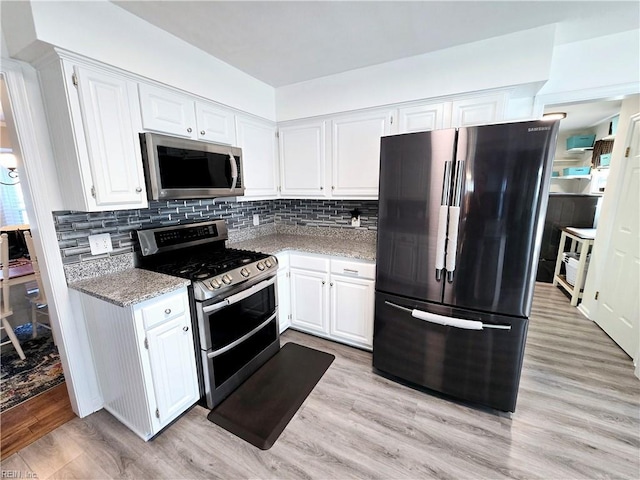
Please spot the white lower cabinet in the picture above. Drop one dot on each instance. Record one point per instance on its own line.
(144, 358)
(333, 298)
(284, 291)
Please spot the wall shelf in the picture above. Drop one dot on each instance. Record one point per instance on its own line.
(579, 150)
(567, 160)
(572, 177)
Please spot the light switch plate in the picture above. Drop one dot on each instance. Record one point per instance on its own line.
(355, 221)
(256, 220)
(100, 243)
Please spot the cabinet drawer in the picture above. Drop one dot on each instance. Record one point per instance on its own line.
(357, 269)
(308, 262)
(163, 309)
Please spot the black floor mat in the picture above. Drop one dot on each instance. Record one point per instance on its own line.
(260, 409)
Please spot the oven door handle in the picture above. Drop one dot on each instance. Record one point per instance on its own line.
(240, 296)
(237, 342)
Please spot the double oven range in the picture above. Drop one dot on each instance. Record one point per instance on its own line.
(233, 300)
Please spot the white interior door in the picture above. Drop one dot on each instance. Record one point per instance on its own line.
(619, 304)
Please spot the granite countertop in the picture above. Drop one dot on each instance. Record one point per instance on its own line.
(362, 249)
(130, 286)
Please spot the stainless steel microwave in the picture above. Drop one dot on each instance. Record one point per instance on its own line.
(179, 168)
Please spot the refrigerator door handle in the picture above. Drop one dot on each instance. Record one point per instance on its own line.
(448, 321)
(452, 245)
(454, 221)
(441, 238)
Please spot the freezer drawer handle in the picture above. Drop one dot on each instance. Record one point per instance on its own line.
(448, 321)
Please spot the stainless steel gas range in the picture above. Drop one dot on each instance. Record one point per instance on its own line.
(233, 300)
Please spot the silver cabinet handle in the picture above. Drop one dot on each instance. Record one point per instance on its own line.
(350, 270)
(138, 189)
(189, 130)
(185, 328)
(167, 311)
(201, 132)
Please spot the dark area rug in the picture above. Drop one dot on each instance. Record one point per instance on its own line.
(41, 370)
(260, 409)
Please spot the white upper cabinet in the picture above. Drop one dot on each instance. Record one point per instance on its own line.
(302, 159)
(170, 112)
(355, 153)
(107, 104)
(258, 142)
(423, 118)
(94, 121)
(477, 110)
(167, 112)
(215, 124)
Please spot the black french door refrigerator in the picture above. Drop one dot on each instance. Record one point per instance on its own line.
(461, 215)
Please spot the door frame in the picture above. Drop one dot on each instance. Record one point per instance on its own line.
(27, 125)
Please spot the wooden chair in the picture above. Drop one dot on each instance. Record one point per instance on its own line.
(5, 304)
(39, 300)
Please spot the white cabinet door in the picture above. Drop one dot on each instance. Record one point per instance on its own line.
(215, 124)
(284, 299)
(352, 302)
(302, 159)
(108, 105)
(424, 118)
(173, 368)
(168, 112)
(477, 111)
(259, 157)
(355, 159)
(309, 301)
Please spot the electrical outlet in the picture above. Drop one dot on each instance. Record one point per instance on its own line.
(355, 221)
(100, 243)
(256, 220)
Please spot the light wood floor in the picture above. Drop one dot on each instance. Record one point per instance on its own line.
(577, 417)
(27, 422)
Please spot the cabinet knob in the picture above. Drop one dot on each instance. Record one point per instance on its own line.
(167, 311)
(323, 282)
(185, 328)
(332, 187)
(321, 188)
(189, 130)
(201, 132)
(138, 189)
(331, 284)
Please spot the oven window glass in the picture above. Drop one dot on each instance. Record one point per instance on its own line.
(184, 168)
(228, 363)
(232, 322)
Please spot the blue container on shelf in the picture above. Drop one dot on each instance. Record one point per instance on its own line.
(605, 160)
(575, 171)
(580, 141)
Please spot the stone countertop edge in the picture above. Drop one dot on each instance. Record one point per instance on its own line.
(339, 247)
(129, 287)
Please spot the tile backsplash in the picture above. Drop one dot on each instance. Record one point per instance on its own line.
(73, 228)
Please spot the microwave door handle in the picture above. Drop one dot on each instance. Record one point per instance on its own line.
(234, 171)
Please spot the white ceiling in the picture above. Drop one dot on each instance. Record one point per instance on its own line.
(582, 116)
(283, 42)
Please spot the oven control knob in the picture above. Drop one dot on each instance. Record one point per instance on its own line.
(226, 279)
(268, 263)
(244, 272)
(215, 283)
(260, 266)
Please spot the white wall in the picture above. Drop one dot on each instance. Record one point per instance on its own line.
(107, 33)
(515, 59)
(595, 277)
(610, 62)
